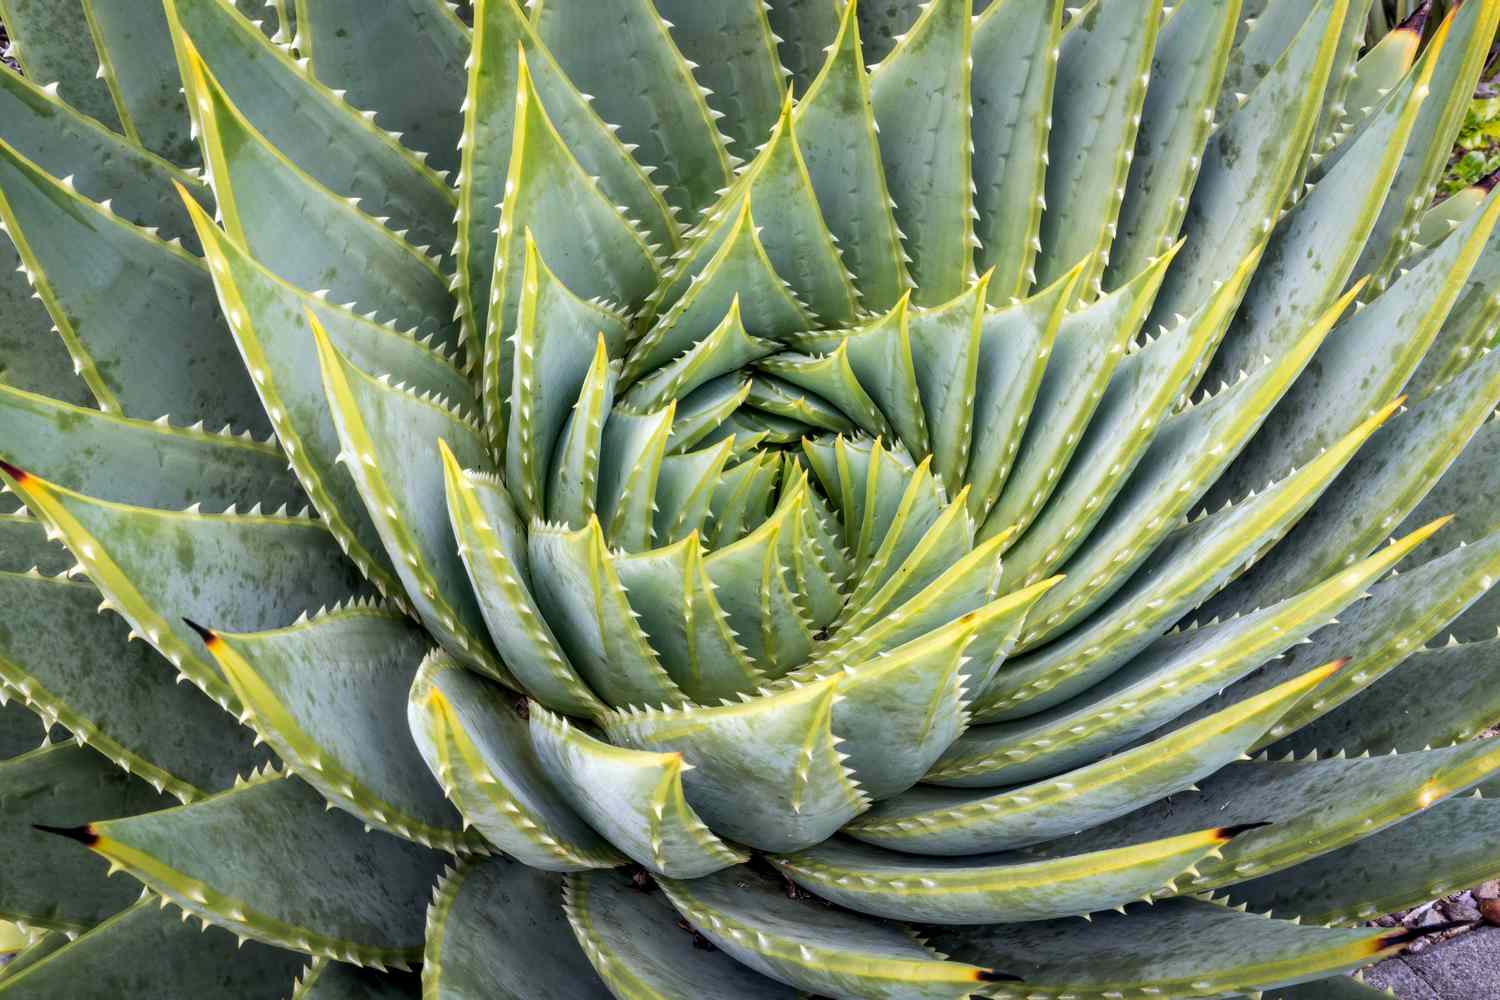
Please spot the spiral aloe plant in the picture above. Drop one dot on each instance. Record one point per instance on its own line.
(741, 500)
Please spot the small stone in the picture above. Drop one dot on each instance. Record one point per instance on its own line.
(1488, 890)
(1387, 921)
(1461, 909)
(1490, 910)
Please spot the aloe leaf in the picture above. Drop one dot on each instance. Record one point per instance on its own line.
(42, 943)
(891, 581)
(630, 456)
(1314, 806)
(320, 886)
(187, 963)
(793, 790)
(104, 165)
(674, 601)
(1470, 475)
(738, 269)
(388, 434)
(920, 95)
(581, 595)
(641, 82)
(1429, 855)
(1090, 344)
(502, 35)
(1364, 362)
(135, 62)
(1015, 49)
(996, 888)
(1187, 567)
(270, 327)
(242, 571)
(901, 504)
(633, 940)
(1314, 249)
(24, 546)
(1465, 333)
(1251, 163)
(1103, 70)
(1163, 681)
(633, 798)
(588, 243)
(704, 409)
(1190, 450)
(22, 730)
(497, 929)
(73, 665)
(727, 349)
(880, 354)
(812, 948)
(52, 44)
(731, 49)
(842, 153)
(1337, 988)
(103, 280)
(149, 463)
(829, 377)
(326, 693)
(685, 489)
(1136, 403)
(1193, 49)
(952, 822)
(34, 358)
(491, 539)
(311, 125)
(738, 506)
(1381, 486)
(555, 338)
(1455, 58)
(791, 409)
(1401, 614)
(403, 61)
(805, 28)
(46, 883)
(324, 979)
(945, 349)
(341, 250)
(481, 752)
(572, 493)
(1336, 117)
(1183, 947)
(1266, 29)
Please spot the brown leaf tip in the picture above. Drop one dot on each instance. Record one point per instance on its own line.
(1230, 832)
(15, 472)
(1409, 934)
(209, 636)
(85, 835)
(991, 976)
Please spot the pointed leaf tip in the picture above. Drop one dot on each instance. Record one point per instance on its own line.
(209, 636)
(1406, 935)
(1228, 833)
(15, 472)
(85, 835)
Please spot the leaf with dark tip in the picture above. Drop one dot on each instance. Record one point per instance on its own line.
(328, 693)
(497, 930)
(46, 883)
(146, 951)
(146, 463)
(73, 664)
(481, 752)
(1433, 853)
(241, 571)
(750, 917)
(1185, 946)
(319, 886)
(633, 938)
